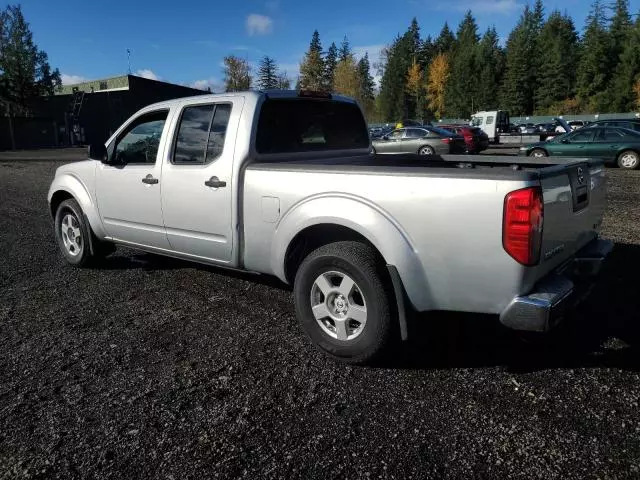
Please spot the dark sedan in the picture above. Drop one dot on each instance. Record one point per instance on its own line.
(615, 145)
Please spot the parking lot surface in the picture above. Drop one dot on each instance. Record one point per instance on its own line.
(155, 368)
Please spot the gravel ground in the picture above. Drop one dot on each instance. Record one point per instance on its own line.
(155, 368)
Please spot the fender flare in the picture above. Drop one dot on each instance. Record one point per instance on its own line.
(365, 218)
(73, 186)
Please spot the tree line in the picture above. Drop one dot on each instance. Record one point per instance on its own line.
(545, 67)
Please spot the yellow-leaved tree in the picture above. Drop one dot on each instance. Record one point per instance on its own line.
(346, 80)
(414, 82)
(437, 83)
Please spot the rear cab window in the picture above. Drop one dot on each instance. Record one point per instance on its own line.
(293, 125)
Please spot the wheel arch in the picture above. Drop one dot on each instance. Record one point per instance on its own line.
(68, 186)
(308, 226)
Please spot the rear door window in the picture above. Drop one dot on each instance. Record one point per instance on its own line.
(201, 134)
(415, 133)
(290, 125)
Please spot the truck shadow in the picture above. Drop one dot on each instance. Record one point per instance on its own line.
(604, 332)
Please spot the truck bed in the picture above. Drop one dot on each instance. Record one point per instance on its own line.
(491, 167)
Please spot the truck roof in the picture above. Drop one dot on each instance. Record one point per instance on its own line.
(254, 94)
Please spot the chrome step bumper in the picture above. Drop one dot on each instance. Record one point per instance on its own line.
(545, 307)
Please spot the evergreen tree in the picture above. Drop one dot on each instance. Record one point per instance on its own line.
(491, 63)
(556, 74)
(445, 41)
(426, 52)
(345, 50)
(312, 69)
(25, 72)
(592, 73)
(330, 62)
(394, 102)
(414, 36)
(463, 82)
(347, 78)
(517, 92)
(619, 31)
(237, 74)
(623, 91)
(367, 85)
(268, 74)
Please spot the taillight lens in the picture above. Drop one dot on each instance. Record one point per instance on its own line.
(522, 228)
(447, 140)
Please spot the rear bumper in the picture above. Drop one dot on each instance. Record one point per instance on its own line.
(553, 296)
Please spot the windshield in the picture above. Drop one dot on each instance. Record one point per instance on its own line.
(476, 121)
(441, 131)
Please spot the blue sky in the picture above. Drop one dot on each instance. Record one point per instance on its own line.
(184, 42)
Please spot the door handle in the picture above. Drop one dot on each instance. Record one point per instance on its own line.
(215, 183)
(150, 180)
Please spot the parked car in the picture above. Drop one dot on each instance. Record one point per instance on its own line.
(283, 183)
(576, 124)
(546, 127)
(423, 140)
(614, 145)
(528, 129)
(475, 138)
(630, 123)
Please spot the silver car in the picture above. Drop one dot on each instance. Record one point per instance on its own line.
(421, 140)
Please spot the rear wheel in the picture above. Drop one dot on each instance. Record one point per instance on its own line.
(628, 160)
(538, 153)
(426, 150)
(342, 302)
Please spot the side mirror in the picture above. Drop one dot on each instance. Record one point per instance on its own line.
(97, 151)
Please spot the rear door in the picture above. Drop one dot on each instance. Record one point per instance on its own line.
(606, 143)
(197, 178)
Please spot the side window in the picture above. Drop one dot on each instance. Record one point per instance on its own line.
(396, 134)
(583, 136)
(415, 133)
(490, 120)
(610, 135)
(139, 143)
(201, 134)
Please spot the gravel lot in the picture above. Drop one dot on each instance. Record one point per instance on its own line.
(155, 368)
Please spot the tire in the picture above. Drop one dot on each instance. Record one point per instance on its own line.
(373, 150)
(73, 235)
(360, 339)
(538, 153)
(426, 150)
(628, 160)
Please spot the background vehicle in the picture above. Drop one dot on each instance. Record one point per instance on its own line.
(630, 123)
(283, 183)
(492, 123)
(576, 124)
(614, 145)
(528, 128)
(422, 140)
(475, 139)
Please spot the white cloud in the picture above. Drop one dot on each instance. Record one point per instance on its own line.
(147, 73)
(503, 7)
(211, 82)
(72, 79)
(259, 24)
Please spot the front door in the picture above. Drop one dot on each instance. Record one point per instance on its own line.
(392, 144)
(606, 144)
(573, 144)
(197, 188)
(128, 189)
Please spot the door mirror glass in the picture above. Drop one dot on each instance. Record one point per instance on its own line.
(97, 151)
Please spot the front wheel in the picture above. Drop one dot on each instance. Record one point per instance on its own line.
(628, 160)
(73, 236)
(343, 303)
(426, 150)
(538, 153)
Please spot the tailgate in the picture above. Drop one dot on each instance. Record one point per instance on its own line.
(574, 198)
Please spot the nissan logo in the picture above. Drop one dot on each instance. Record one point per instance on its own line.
(580, 172)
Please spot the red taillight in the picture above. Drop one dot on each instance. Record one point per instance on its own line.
(447, 140)
(522, 228)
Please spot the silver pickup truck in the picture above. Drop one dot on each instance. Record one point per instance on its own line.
(284, 183)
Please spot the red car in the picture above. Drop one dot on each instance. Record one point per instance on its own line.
(474, 138)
